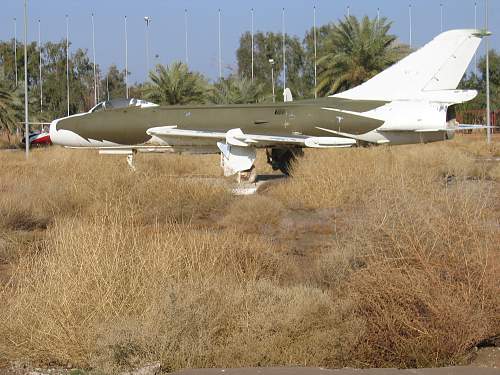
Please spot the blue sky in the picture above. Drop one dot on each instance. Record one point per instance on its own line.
(167, 27)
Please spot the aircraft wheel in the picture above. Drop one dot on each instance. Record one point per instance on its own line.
(283, 158)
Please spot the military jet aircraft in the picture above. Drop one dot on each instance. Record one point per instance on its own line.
(410, 102)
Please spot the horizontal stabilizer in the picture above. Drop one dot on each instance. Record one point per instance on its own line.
(473, 127)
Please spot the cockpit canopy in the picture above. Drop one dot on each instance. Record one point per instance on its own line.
(121, 103)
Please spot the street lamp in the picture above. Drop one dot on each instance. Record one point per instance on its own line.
(186, 34)
(26, 112)
(488, 110)
(93, 53)
(15, 47)
(147, 19)
(220, 48)
(40, 65)
(67, 61)
(409, 13)
(252, 44)
(284, 51)
(441, 9)
(271, 61)
(475, 28)
(315, 56)
(126, 59)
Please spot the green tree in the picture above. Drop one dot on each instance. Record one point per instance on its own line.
(475, 110)
(54, 78)
(355, 51)
(236, 90)
(478, 83)
(175, 84)
(322, 35)
(114, 83)
(270, 45)
(7, 117)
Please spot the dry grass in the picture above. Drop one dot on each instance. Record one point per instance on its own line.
(9, 141)
(334, 177)
(112, 269)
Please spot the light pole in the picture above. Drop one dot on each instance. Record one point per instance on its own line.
(40, 65)
(284, 52)
(186, 32)
(348, 11)
(67, 60)
(272, 79)
(315, 55)
(107, 85)
(15, 48)
(147, 19)
(220, 53)
(26, 112)
(126, 59)
(475, 27)
(93, 54)
(488, 110)
(409, 13)
(441, 9)
(378, 17)
(99, 87)
(252, 44)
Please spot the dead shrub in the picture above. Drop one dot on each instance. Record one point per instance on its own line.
(92, 273)
(139, 267)
(333, 178)
(428, 292)
(253, 214)
(232, 325)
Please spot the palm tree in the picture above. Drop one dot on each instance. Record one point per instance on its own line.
(175, 84)
(236, 90)
(356, 51)
(7, 117)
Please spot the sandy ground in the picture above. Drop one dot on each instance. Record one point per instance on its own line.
(321, 371)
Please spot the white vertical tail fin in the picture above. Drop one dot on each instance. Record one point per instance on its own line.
(438, 66)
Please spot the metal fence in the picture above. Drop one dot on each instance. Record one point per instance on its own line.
(478, 116)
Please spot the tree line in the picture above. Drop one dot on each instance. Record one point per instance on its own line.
(348, 53)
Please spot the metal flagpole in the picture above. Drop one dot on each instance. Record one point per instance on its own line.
(284, 52)
(99, 84)
(67, 60)
(148, 21)
(40, 65)
(220, 53)
(441, 8)
(252, 45)
(126, 59)
(409, 12)
(186, 32)
(26, 112)
(107, 85)
(488, 110)
(475, 27)
(15, 48)
(315, 56)
(93, 53)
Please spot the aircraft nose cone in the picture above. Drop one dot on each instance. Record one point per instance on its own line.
(64, 137)
(54, 137)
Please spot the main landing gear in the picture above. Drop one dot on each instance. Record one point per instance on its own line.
(283, 158)
(239, 161)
